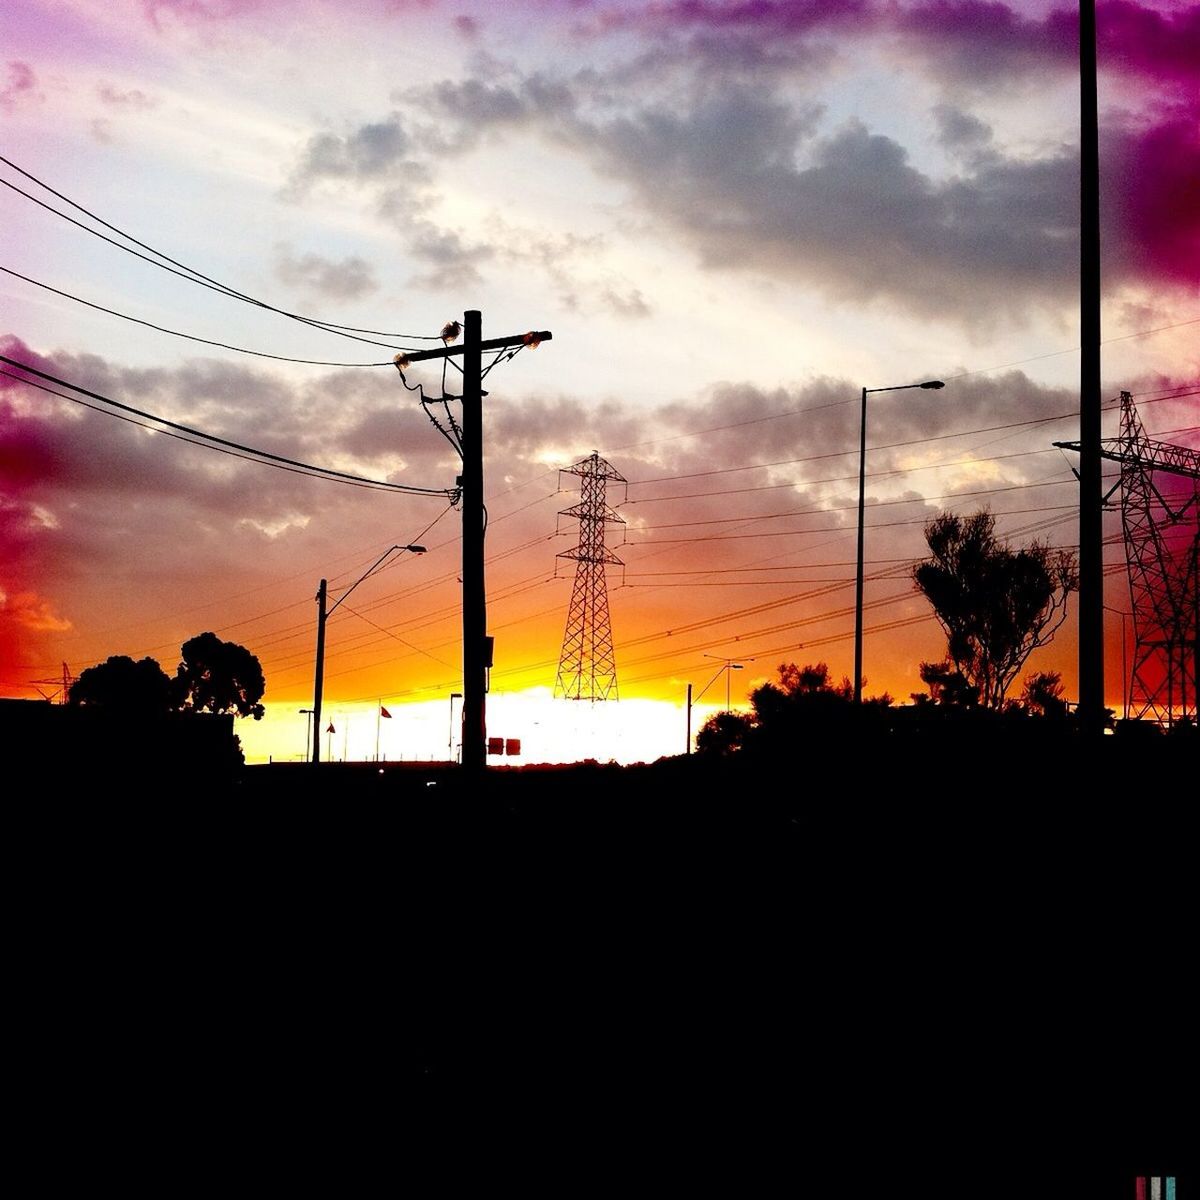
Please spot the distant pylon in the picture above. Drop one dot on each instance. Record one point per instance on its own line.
(587, 667)
(62, 694)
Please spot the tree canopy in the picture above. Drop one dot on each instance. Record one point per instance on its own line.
(996, 604)
(220, 677)
(803, 702)
(120, 684)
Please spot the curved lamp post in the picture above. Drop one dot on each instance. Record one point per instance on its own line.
(928, 385)
(323, 615)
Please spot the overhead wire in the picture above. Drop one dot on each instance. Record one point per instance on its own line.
(186, 272)
(191, 337)
(212, 441)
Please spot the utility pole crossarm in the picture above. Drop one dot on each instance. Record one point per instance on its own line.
(501, 343)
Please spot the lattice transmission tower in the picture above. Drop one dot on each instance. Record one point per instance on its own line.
(587, 666)
(1161, 520)
(61, 685)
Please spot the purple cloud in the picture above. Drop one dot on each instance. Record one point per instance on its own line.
(20, 86)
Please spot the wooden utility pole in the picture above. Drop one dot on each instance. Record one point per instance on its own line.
(474, 600)
(319, 678)
(476, 644)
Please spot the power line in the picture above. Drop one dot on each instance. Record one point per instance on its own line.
(804, 512)
(191, 337)
(192, 275)
(276, 460)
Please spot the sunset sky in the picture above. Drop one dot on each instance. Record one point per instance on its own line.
(732, 217)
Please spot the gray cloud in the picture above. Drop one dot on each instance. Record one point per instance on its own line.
(133, 98)
(960, 131)
(745, 183)
(344, 279)
(625, 304)
(377, 151)
(92, 505)
(979, 44)
(379, 159)
(744, 178)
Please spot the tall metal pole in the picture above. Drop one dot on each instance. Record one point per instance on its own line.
(689, 720)
(319, 682)
(450, 741)
(858, 581)
(934, 385)
(1091, 545)
(474, 608)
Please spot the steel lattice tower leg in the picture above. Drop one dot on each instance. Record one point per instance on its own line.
(587, 667)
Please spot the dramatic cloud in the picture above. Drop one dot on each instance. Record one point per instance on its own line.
(849, 212)
(1161, 46)
(804, 197)
(756, 182)
(982, 43)
(744, 179)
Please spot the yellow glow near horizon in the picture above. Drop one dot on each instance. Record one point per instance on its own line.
(550, 730)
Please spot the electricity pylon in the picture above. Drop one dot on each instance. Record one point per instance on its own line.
(1162, 551)
(63, 685)
(587, 667)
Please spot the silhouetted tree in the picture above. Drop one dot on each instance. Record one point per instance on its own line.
(803, 703)
(219, 677)
(997, 605)
(947, 686)
(1043, 695)
(121, 685)
(724, 733)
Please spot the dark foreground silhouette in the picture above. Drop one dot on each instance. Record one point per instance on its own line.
(862, 963)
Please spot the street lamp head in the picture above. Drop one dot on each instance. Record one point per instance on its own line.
(736, 666)
(933, 385)
(421, 549)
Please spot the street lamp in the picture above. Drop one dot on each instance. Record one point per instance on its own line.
(323, 615)
(307, 735)
(730, 665)
(450, 744)
(928, 385)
